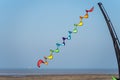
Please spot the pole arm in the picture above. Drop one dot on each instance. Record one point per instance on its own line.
(113, 34)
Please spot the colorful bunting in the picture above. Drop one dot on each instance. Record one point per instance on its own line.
(75, 30)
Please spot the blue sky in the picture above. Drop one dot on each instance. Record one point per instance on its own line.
(29, 28)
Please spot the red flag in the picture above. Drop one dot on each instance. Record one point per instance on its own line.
(39, 62)
(90, 10)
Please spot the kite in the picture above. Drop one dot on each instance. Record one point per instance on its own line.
(58, 45)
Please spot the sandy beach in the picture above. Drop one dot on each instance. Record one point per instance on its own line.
(60, 77)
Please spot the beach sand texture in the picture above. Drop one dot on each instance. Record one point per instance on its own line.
(60, 77)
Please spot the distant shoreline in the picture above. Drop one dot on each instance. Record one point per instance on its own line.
(61, 77)
(27, 72)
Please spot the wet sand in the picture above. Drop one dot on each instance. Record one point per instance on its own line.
(60, 77)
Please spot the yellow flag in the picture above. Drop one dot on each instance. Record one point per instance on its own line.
(80, 23)
(50, 57)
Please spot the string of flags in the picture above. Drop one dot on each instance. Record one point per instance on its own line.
(58, 45)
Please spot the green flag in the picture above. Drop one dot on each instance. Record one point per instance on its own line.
(114, 78)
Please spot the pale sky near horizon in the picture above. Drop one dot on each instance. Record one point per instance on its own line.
(29, 28)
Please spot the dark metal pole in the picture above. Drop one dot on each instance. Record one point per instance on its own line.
(113, 34)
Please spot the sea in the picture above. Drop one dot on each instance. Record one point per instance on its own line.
(27, 72)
